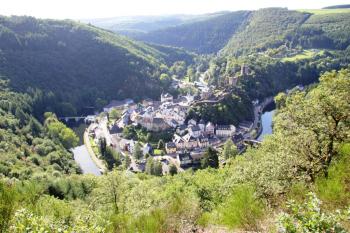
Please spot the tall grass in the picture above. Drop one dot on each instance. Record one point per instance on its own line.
(335, 190)
(242, 209)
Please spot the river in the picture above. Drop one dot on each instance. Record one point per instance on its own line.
(81, 154)
(266, 121)
(83, 159)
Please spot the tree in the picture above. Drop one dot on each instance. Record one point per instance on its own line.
(153, 167)
(149, 166)
(102, 146)
(165, 80)
(161, 144)
(137, 153)
(210, 159)
(230, 149)
(114, 114)
(112, 157)
(172, 169)
(312, 125)
(127, 162)
(158, 168)
(59, 131)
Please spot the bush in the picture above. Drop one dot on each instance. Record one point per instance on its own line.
(308, 217)
(242, 209)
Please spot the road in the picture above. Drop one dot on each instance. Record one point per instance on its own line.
(94, 158)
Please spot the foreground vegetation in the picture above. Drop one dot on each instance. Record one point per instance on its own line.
(308, 152)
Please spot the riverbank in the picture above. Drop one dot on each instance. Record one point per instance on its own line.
(92, 154)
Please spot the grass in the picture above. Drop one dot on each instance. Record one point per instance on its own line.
(242, 210)
(334, 191)
(326, 11)
(306, 54)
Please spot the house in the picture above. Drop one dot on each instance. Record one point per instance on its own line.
(203, 142)
(131, 146)
(124, 144)
(246, 125)
(158, 124)
(153, 124)
(166, 97)
(190, 141)
(210, 129)
(214, 141)
(170, 147)
(179, 142)
(244, 69)
(185, 160)
(173, 123)
(115, 129)
(192, 122)
(147, 149)
(201, 125)
(195, 131)
(181, 129)
(225, 130)
(232, 81)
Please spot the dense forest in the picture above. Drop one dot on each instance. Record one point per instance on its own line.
(296, 181)
(62, 58)
(29, 149)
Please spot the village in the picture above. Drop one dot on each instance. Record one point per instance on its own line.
(188, 139)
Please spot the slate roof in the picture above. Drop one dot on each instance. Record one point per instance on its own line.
(195, 128)
(170, 145)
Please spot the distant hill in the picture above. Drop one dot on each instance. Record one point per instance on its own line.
(206, 36)
(81, 65)
(142, 24)
(337, 6)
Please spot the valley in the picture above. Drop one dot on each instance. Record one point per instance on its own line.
(233, 121)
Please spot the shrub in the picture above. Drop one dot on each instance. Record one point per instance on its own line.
(308, 217)
(242, 209)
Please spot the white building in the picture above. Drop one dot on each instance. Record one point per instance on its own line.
(195, 131)
(225, 130)
(192, 122)
(201, 125)
(210, 128)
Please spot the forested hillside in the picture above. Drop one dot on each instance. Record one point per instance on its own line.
(266, 28)
(244, 32)
(206, 36)
(296, 181)
(77, 65)
(274, 27)
(29, 149)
